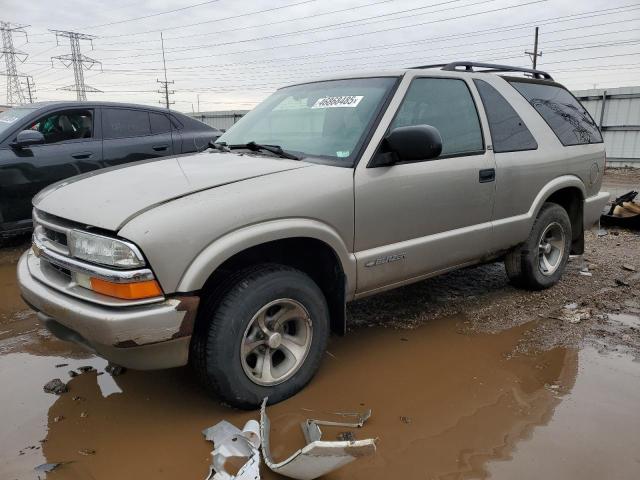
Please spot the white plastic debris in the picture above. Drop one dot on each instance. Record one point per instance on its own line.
(318, 457)
(231, 442)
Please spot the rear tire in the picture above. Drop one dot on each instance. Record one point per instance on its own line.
(540, 261)
(262, 336)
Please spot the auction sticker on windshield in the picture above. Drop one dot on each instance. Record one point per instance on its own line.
(335, 102)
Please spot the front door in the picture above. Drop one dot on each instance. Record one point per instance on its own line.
(415, 219)
(71, 147)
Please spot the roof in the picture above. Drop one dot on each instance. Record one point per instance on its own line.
(75, 104)
(445, 70)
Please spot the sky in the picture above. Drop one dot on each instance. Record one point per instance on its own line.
(231, 54)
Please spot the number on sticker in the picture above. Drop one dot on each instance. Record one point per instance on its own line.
(350, 101)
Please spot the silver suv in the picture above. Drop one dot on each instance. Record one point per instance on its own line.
(240, 260)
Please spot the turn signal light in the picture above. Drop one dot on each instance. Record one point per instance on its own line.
(127, 291)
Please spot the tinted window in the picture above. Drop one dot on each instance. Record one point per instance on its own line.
(120, 123)
(159, 123)
(62, 126)
(508, 131)
(447, 105)
(568, 119)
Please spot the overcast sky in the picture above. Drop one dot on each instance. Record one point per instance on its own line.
(234, 53)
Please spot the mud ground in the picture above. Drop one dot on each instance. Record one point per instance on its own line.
(467, 377)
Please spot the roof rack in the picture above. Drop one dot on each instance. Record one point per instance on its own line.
(488, 68)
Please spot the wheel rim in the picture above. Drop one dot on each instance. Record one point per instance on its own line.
(276, 342)
(551, 249)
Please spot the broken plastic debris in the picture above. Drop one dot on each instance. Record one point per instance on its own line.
(47, 467)
(318, 457)
(231, 443)
(313, 433)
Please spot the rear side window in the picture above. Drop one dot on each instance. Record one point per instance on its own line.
(568, 119)
(122, 123)
(159, 123)
(446, 104)
(508, 131)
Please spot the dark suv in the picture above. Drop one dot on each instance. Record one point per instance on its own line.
(43, 143)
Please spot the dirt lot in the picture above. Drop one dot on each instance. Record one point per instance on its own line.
(467, 377)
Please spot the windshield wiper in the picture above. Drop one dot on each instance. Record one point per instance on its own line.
(256, 147)
(222, 146)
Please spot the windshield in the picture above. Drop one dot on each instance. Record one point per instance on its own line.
(8, 118)
(323, 119)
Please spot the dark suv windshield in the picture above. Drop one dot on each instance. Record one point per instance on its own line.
(324, 119)
(9, 117)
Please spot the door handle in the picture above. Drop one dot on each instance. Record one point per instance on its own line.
(81, 155)
(487, 175)
(160, 148)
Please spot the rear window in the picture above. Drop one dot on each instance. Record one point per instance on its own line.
(122, 123)
(508, 131)
(568, 119)
(159, 123)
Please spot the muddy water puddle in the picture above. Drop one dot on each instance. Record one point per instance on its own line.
(445, 405)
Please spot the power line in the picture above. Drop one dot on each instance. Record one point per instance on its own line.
(15, 94)
(513, 54)
(247, 27)
(79, 61)
(303, 2)
(547, 21)
(386, 46)
(344, 24)
(186, 7)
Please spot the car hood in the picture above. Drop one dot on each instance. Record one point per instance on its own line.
(111, 197)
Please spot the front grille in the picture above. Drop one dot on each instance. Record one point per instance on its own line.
(54, 236)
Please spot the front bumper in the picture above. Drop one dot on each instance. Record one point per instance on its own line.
(593, 207)
(141, 337)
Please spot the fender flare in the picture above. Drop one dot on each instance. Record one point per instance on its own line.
(232, 243)
(558, 183)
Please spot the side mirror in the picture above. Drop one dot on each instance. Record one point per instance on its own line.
(406, 144)
(27, 138)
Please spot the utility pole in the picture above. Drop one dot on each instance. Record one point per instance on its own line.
(15, 95)
(165, 83)
(79, 62)
(534, 55)
(30, 87)
(198, 102)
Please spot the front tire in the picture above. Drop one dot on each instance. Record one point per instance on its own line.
(264, 336)
(540, 261)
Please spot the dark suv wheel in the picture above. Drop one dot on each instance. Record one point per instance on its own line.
(541, 260)
(263, 336)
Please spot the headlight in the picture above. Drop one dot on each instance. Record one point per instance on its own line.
(104, 250)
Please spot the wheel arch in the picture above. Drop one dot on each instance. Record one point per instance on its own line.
(569, 192)
(307, 245)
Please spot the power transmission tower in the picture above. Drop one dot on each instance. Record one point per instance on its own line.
(534, 55)
(165, 83)
(15, 95)
(78, 60)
